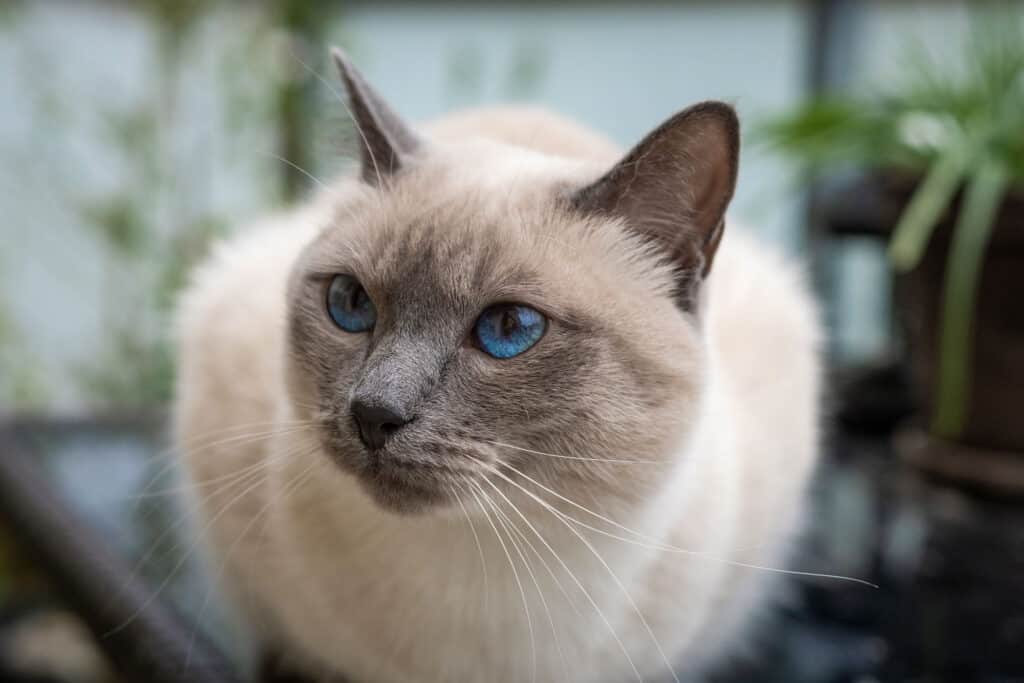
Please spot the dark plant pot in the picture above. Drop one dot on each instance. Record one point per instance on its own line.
(990, 451)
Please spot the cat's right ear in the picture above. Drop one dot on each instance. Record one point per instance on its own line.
(673, 188)
(385, 141)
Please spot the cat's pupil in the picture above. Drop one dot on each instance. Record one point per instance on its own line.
(509, 323)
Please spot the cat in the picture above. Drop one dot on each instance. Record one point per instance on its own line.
(503, 404)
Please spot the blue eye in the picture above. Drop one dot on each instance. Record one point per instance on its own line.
(349, 305)
(507, 330)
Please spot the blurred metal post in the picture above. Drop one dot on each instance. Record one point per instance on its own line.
(834, 28)
(144, 638)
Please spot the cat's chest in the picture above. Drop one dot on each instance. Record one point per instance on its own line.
(446, 601)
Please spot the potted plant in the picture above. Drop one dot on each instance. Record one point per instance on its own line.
(945, 150)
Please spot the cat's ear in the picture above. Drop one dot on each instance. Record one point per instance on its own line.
(385, 141)
(673, 188)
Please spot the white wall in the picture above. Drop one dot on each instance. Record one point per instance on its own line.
(620, 68)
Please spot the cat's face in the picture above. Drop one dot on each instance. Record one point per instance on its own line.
(612, 377)
(471, 314)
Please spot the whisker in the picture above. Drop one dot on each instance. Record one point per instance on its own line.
(540, 557)
(345, 104)
(173, 452)
(621, 461)
(666, 547)
(582, 588)
(301, 170)
(288, 490)
(611, 573)
(243, 440)
(232, 478)
(502, 520)
(508, 524)
(207, 526)
(515, 573)
(479, 546)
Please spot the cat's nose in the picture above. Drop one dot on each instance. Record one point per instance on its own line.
(377, 422)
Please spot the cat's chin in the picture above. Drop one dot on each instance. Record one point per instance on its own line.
(400, 489)
(398, 495)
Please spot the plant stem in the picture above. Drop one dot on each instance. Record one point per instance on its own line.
(911, 234)
(971, 234)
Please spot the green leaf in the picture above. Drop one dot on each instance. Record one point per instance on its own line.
(910, 236)
(981, 91)
(982, 199)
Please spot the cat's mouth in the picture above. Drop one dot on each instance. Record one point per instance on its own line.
(408, 475)
(400, 484)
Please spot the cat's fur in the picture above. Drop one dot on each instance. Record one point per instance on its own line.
(676, 400)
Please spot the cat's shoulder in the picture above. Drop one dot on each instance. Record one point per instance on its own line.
(751, 272)
(762, 317)
(235, 301)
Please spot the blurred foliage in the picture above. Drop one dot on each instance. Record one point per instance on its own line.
(468, 73)
(528, 69)
(913, 124)
(960, 130)
(294, 102)
(144, 246)
(465, 70)
(10, 12)
(21, 385)
(158, 218)
(135, 367)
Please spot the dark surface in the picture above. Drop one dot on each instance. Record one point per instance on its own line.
(949, 563)
(949, 566)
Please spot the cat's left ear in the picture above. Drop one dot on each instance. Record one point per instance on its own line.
(673, 189)
(385, 141)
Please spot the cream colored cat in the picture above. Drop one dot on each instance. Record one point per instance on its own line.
(486, 412)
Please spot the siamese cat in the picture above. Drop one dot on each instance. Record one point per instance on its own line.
(505, 404)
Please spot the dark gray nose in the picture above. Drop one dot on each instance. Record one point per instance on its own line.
(377, 422)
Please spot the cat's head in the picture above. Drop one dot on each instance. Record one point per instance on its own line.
(477, 311)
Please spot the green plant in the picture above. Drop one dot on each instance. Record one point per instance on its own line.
(158, 223)
(961, 130)
(20, 384)
(168, 202)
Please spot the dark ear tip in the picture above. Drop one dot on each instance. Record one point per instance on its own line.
(339, 56)
(343, 63)
(713, 114)
(721, 112)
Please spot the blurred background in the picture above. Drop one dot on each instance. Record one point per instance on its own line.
(884, 144)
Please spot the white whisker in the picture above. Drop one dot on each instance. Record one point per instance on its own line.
(611, 573)
(515, 574)
(586, 593)
(479, 547)
(540, 592)
(657, 545)
(288, 489)
(514, 531)
(620, 461)
(207, 526)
